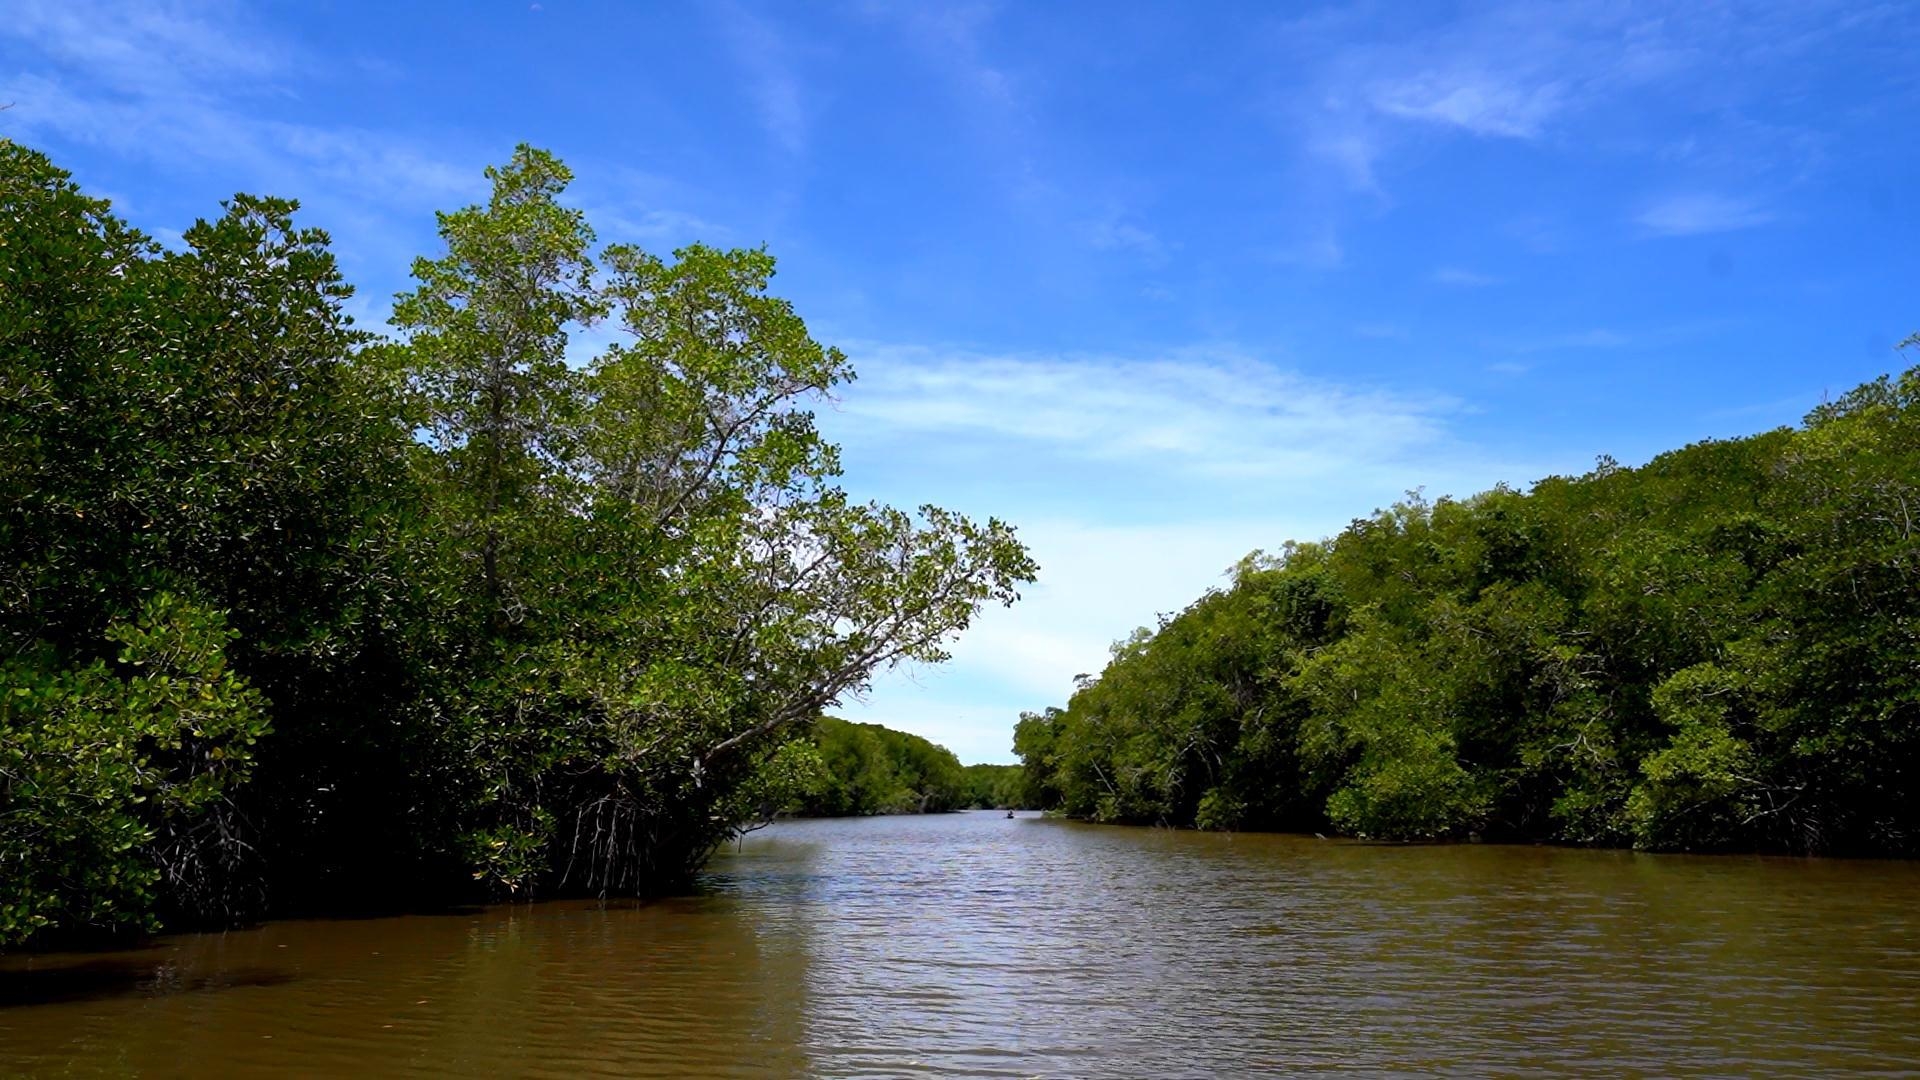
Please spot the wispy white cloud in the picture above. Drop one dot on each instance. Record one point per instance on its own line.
(1780, 410)
(1642, 337)
(1215, 412)
(1026, 657)
(146, 48)
(182, 86)
(1597, 338)
(671, 228)
(763, 52)
(1695, 213)
(993, 103)
(1359, 91)
(1539, 233)
(1461, 277)
(268, 155)
(1321, 249)
(1476, 101)
(1353, 149)
(953, 33)
(1115, 233)
(1150, 476)
(629, 204)
(1358, 95)
(1380, 332)
(207, 132)
(1371, 87)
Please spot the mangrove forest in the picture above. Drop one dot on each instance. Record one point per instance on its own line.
(295, 616)
(1718, 650)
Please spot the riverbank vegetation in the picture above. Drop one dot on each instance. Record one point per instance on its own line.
(995, 787)
(1717, 650)
(296, 615)
(867, 769)
(870, 769)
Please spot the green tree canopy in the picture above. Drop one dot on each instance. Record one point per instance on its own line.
(1714, 650)
(870, 769)
(293, 615)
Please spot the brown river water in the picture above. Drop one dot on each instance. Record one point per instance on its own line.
(970, 945)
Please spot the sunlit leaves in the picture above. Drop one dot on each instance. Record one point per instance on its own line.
(1715, 650)
(521, 618)
(670, 582)
(107, 771)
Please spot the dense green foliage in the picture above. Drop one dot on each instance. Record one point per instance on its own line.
(117, 783)
(862, 769)
(1720, 649)
(995, 787)
(870, 769)
(294, 615)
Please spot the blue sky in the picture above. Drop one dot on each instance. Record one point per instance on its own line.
(1159, 283)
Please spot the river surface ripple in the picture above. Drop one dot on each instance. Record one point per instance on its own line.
(970, 945)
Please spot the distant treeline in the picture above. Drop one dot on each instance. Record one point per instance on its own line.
(1717, 650)
(292, 614)
(870, 769)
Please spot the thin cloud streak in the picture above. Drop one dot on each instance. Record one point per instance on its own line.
(1476, 102)
(1217, 412)
(1460, 277)
(156, 83)
(147, 48)
(1119, 235)
(1376, 91)
(1699, 213)
(1098, 582)
(1221, 452)
(264, 151)
(761, 51)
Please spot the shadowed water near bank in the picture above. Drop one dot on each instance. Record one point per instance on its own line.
(971, 945)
